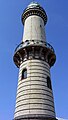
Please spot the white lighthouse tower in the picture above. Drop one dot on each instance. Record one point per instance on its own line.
(34, 57)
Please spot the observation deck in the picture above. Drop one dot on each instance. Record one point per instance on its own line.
(34, 49)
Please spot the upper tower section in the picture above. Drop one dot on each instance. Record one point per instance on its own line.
(34, 19)
(33, 44)
(34, 9)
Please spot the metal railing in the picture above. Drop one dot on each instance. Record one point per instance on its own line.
(33, 42)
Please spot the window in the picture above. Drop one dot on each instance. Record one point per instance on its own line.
(49, 83)
(24, 74)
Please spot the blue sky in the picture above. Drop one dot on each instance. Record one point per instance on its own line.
(11, 30)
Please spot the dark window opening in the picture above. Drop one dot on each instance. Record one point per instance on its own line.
(49, 83)
(24, 74)
(40, 26)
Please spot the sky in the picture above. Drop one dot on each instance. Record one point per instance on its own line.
(11, 31)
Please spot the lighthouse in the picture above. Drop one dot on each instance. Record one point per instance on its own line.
(34, 57)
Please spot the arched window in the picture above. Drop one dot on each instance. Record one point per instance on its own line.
(49, 83)
(24, 73)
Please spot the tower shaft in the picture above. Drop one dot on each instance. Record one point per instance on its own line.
(34, 29)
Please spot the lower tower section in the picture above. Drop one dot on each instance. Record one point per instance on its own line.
(34, 93)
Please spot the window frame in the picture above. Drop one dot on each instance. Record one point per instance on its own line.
(49, 85)
(24, 73)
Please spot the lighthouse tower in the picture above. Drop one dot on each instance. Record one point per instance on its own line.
(34, 57)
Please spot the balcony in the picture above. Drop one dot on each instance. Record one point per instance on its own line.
(34, 49)
(34, 43)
